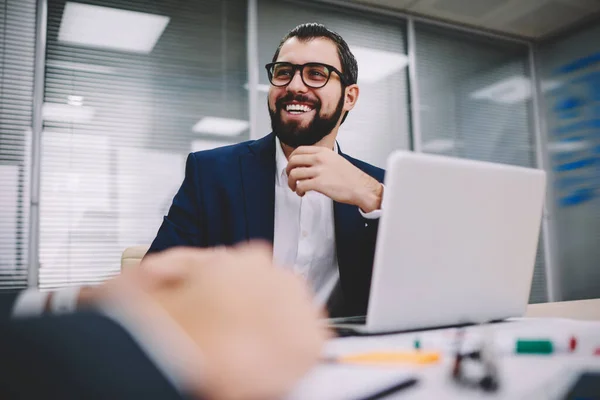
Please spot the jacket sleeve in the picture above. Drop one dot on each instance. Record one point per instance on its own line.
(7, 302)
(183, 224)
(76, 356)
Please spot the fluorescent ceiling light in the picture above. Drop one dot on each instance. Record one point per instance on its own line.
(438, 145)
(110, 28)
(67, 113)
(221, 126)
(375, 65)
(511, 90)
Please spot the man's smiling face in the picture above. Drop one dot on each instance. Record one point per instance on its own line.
(300, 115)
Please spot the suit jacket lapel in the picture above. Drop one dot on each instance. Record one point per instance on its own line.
(346, 219)
(350, 245)
(258, 182)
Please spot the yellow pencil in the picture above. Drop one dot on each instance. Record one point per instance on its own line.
(388, 358)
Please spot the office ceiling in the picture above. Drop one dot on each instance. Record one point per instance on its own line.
(532, 19)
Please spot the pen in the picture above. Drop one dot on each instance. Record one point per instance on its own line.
(388, 358)
(396, 388)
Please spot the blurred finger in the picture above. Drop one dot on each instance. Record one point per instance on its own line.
(302, 160)
(306, 185)
(260, 245)
(175, 264)
(300, 173)
(307, 150)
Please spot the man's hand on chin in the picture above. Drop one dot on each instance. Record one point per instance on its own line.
(323, 170)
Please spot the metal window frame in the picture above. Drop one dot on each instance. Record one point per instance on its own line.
(33, 259)
(253, 69)
(414, 102)
(540, 129)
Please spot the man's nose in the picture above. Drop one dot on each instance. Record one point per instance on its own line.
(296, 85)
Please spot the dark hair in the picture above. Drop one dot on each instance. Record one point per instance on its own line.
(312, 30)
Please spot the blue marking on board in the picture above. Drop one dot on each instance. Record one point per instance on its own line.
(576, 110)
(567, 104)
(586, 162)
(587, 78)
(579, 196)
(579, 64)
(595, 91)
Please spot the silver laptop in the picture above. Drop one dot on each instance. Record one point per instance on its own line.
(456, 243)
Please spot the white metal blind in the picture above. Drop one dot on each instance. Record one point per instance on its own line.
(119, 124)
(17, 55)
(379, 123)
(475, 102)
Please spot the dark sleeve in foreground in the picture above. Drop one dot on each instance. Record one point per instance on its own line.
(7, 302)
(77, 356)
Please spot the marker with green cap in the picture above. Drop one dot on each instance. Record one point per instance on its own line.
(533, 346)
(542, 346)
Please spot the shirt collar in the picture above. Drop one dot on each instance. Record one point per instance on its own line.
(281, 162)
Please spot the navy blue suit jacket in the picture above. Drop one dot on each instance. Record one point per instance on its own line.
(228, 196)
(83, 355)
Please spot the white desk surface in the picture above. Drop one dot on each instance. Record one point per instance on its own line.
(576, 309)
(521, 376)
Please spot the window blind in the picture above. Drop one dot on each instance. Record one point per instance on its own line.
(120, 122)
(17, 55)
(476, 103)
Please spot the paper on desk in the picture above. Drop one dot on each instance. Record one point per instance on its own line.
(347, 382)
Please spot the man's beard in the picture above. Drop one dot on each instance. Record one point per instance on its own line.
(292, 134)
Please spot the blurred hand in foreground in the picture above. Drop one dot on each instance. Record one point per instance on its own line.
(254, 325)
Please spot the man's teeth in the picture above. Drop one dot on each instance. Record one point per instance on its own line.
(297, 108)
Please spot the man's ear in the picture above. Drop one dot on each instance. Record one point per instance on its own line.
(351, 97)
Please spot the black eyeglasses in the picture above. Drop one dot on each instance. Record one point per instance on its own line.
(314, 75)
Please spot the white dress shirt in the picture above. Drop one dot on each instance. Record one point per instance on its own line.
(304, 236)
